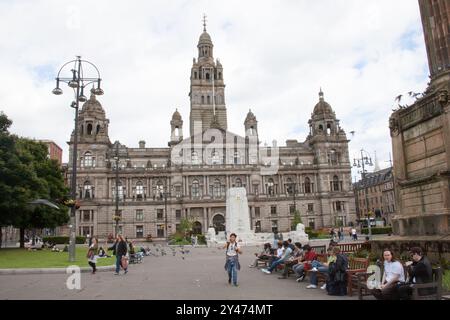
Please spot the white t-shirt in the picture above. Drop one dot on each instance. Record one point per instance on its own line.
(353, 231)
(280, 252)
(391, 269)
(231, 251)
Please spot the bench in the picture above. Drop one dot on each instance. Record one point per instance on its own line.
(355, 266)
(350, 247)
(435, 286)
(321, 277)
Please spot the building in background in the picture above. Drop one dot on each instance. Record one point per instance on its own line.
(375, 195)
(54, 151)
(156, 192)
(421, 138)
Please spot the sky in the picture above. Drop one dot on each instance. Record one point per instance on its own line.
(276, 56)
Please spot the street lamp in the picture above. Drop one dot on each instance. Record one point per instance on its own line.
(164, 195)
(362, 162)
(78, 82)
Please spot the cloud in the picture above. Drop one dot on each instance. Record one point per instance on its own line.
(275, 58)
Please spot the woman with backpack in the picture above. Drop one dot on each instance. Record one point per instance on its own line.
(92, 254)
(232, 259)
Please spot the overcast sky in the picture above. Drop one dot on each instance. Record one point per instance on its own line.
(276, 55)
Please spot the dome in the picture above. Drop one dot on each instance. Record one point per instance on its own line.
(205, 38)
(322, 107)
(176, 115)
(92, 105)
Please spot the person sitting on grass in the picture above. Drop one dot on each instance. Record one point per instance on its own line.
(286, 254)
(305, 264)
(323, 268)
(263, 256)
(295, 258)
(102, 253)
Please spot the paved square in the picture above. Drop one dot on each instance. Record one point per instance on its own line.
(199, 276)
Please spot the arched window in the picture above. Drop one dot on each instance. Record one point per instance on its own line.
(98, 129)
(195, 75)
(215, 157)
(328, 129)
(194, 157)
(238, 183)
(87, 190)
(333, 157)
(216, 189)
(203, 99)
(320, 127)
(207, 76)
(139, 190)
(195, 188)
(220, 75)
(335, 184)
(289, 186)
(89, 129)
(307, 185)
(88, 160)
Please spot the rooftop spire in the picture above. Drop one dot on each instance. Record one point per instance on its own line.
(204, 22)
(321, 94)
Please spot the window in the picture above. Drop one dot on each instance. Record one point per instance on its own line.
(238, 183)
(255, 189)
(270, 187)
(274, 226)
(335, 184)
(216, 188)
(341, 221)
(236, 158)
(333, 157)
(120, 191)
(86, 215)
(159, 214)
(195, 189)
(194, 158)
(139, 190)
(139, 231)
(257, 226)
(195, 75)
(273, 210)
(160, 230)
(339, 206)
(203, 99)
(208, 98)
(178, 227)
(178, 191)
(88, 160)
(139, 215)
(307, 185)
(291, 209)
(87, 190)
(159, 191)
(310, 207)
(178, 214)
(89, 129)
(257, 212)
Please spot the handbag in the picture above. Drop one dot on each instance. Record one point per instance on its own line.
(124, 262)
(90, 254)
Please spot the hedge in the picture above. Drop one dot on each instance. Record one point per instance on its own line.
(378, 230)
(63, 240)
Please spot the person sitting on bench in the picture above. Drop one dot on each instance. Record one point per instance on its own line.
(263, 256)
(286, 254)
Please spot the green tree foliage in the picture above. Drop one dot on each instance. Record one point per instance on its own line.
(26, 174)
(297, 219)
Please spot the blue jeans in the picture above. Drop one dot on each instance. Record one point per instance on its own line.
(118, 263)
(232, 271)
(313, 275)
(275, 264)
(298, 269)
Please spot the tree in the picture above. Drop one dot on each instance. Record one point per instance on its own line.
(26, 174)
(186, 225)
(297, 219)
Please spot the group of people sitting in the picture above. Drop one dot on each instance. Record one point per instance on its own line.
(303, 261)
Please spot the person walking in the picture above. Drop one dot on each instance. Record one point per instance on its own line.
(354, 234)
(92, 254)
(121, 251)
(232, 259)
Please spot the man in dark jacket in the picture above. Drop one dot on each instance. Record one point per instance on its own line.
(420, 271)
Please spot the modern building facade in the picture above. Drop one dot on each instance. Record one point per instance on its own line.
(421, 138)
(157, 187)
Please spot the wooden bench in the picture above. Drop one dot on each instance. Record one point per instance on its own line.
(321, 277)
(355, 266)
(320, 249)
(435, 286)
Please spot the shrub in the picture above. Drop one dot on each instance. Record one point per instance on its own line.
(201, 239)
(63, 240)
(379, 230)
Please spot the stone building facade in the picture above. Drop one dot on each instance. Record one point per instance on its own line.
(375, 195)
(421, 138)
(191, 176)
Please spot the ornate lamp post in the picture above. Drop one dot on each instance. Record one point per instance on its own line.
(365, 160)
(78, 82)
(164, 195)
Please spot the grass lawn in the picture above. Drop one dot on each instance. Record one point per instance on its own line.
(21, 258)
(446, 281)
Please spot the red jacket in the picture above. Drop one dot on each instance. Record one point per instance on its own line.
(309, 256)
